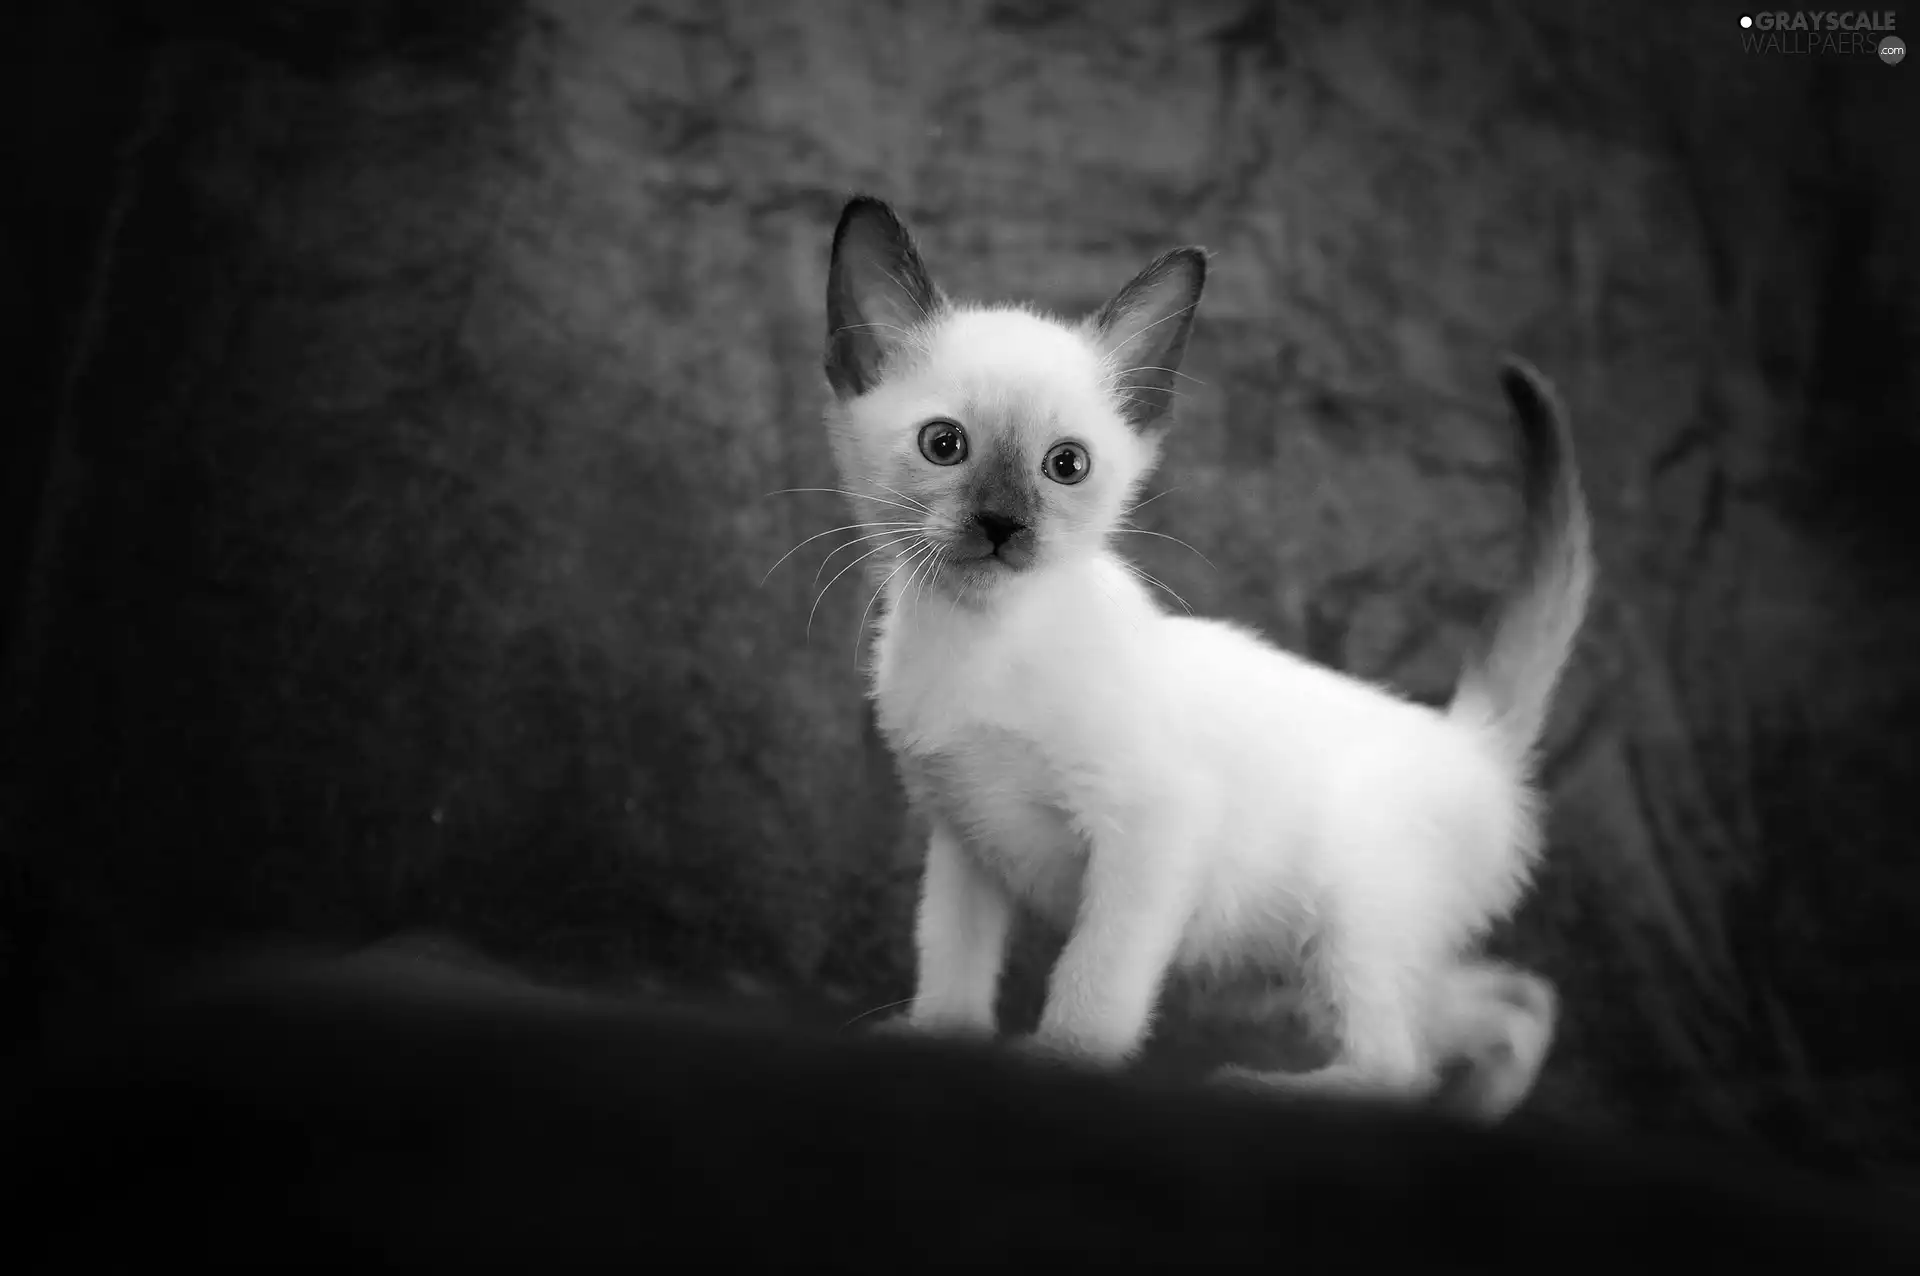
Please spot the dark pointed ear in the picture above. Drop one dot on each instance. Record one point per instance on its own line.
(878, 293)
(1143, 332)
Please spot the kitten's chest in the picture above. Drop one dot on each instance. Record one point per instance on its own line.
(1000, 794)
(987, 733)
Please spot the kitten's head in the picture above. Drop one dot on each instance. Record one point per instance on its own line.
(997, 440)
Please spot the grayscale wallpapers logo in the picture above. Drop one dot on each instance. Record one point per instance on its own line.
(1823, 31)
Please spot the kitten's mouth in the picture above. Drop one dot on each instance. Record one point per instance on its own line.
(1008, 557)
(992, 542)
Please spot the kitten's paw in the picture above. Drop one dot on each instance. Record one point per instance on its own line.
(1050, 1049)
(1029, 1045)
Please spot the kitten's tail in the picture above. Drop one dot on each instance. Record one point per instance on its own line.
(1510, 676)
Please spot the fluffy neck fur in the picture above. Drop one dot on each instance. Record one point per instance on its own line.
(1176, 793)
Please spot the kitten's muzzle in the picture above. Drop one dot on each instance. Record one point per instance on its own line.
(998, 528)
(990, 534)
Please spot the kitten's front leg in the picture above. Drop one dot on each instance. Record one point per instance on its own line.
(960, 935)
(1136, 898)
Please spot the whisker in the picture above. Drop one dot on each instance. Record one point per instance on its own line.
(1141, 531)
(920, 578)
(892, 327)
(1158, 389)
(858, 540)
(841, 491)
(939, 564)
(844, 570)
(817, 535)
(1145, 367)
(902, 495)
(909, 295)
(1151, 579)
(1132, 337)
(860, 631)
(955, 602)
(926, 561)
(867, 1014)
(1133, 509)
(905, 599)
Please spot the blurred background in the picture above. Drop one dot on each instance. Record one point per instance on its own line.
(398, 387)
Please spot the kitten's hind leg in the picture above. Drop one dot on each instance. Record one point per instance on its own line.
(1377, 992)
(1491, 1023)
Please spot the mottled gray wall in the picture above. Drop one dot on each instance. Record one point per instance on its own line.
(415, 507)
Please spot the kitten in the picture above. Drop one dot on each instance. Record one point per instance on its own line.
(1175, 792)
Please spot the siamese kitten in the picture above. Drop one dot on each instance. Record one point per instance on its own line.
(1175, 792)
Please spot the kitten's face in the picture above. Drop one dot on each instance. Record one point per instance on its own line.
(999, 434)
(997, 442)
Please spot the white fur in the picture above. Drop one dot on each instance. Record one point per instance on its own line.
(1237, 802)
(1175, 792)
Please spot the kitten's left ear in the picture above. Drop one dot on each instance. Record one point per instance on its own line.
(878, 295)
(1143, 332)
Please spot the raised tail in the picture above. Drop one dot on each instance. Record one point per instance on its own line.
(1507, 686)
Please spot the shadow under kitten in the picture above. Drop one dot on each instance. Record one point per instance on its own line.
(389, 1110)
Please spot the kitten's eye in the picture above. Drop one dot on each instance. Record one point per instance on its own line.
(943, 442)
(1066, 463)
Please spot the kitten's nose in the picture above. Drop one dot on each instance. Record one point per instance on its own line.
(998, 528)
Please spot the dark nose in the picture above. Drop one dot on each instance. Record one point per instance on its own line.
(999, 529)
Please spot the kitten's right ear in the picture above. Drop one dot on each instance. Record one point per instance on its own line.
(1143, 332)
(878, 294)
